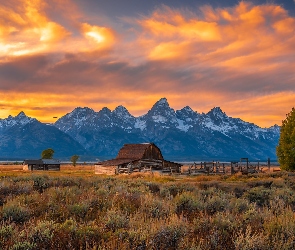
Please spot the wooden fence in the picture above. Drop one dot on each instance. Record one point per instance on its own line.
(243, 166)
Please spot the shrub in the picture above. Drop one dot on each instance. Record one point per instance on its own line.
(79, 210)
(128, 202)
(239, 205)
(15, 213)
(153, 187)
(41, 183)
(25, 245)
(250, 240)
(168, 237)
(6, 235)
(43, 234)
(187, 205)
(215, 204)
(259, 195)
(115, 221)
(154, 208)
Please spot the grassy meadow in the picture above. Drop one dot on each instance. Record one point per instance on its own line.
(74, 209)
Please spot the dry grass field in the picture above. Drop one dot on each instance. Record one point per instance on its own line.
(76, 209)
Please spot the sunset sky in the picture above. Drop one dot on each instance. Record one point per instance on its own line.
(60, 54)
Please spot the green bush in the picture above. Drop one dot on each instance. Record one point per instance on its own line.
(259, 195)
(25, 245)
(187, 205)
(42, 235)
(15, 213)
(116, 221)
(79, 211)
(168, 237)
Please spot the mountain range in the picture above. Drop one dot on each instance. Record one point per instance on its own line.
(181, 135)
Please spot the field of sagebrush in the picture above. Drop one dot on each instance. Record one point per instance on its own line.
(144, 211)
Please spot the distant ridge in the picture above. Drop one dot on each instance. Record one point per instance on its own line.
(25, 137)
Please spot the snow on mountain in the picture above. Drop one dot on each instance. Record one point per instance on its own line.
(141, 124)
(20, 120)
(188, 129)
(186, 118)
(122, 113)
(161, 115)
(217, 120)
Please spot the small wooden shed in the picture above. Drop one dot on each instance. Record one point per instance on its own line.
(137, 157)
(41, 164)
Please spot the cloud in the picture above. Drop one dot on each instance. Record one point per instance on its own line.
(240, 58)
(33, 28)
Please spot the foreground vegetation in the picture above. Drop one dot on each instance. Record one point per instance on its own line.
(51, 211)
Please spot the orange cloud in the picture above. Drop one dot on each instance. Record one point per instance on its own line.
(29, 29)
(240, 58)
(220, 36)
(102, 37)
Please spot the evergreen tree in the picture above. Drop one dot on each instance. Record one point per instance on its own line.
(286, 146)
(47, 153)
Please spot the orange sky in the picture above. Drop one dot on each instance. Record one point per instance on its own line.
(57, 55)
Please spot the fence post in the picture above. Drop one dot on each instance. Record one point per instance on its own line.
(247, 166)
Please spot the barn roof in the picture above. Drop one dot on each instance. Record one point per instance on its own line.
(133, 151)
(31, 162)
(41, 162)
(129, 153)
(115, 162)
(50, 161)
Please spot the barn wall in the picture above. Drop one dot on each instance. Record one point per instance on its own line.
(152, 152)
(108, 170)
(26, 167)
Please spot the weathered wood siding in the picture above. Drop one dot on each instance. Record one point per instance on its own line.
(153, 152)
(107, 170)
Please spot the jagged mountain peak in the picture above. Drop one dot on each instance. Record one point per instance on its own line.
(79, 111)
(217, 113)
(275, 128)
(83, 109)
(120, 109)
(21, 114)
(161, 112)
(105, 110)
(161, 103)
(121, 112)
(20, 119)
(187, 110)
(163, 100)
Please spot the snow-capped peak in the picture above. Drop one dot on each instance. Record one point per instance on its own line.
(21, 115)
(162, 101)
(216, 112)
(162, 113)
(20, 119)
(77, 112)
(121, 112)
(275, 128)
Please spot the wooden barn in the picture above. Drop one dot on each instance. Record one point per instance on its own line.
(137, 157)
(41, 164)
